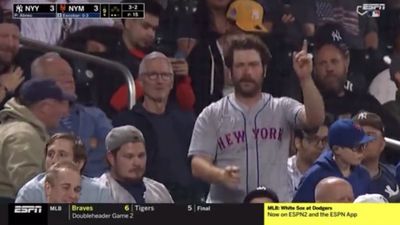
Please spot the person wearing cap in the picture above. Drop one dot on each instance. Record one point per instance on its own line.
(88, 122)
(333, 190)
(242, 141)
(62, 183)
(371, 198)
(383, 180)
(127, 159)
(25, 122)
(309, 145)
(64, 147)
(216, 21)
(332, 59)
(261, 195)
(342, 159)
(166, 128)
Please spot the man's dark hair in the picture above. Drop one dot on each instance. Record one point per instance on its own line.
(261, 192)
(78, 147)
(6, 17)
(246, 42)
(150, 6)
(301, 133)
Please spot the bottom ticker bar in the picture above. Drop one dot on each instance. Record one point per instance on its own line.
(169, 214)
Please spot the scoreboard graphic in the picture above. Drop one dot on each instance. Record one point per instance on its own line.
(79, 11)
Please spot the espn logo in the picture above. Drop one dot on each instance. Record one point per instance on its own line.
(26, 209)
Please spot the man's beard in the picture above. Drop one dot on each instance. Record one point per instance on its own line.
(330, 86)
(248, 93)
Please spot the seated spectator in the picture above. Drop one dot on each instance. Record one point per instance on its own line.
(333, 190)
(24, 125)
(309, 145)
(330, 75)
(127, 159)
(371, 198)
(383, 180)
(64, 147)
(89, 123)
(62, 183)
(11, 75)
(137, 39)
(216, 21)
(343, 158)
(261, 195)
(166, 128)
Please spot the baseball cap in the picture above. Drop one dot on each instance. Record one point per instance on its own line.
(346, 133)
(371, 198)
(261, 192)
(330, 34)
(6, 17)
(394, 65)
(119, 136)
(248, 15)
(369, 119)
(36, 90)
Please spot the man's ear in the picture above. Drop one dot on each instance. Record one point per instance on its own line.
(47, 189)
(80, 164)
(110, 158)
(297, 143)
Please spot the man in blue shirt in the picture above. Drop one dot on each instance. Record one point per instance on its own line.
(89, 123)
(60, 148)
(347, 142)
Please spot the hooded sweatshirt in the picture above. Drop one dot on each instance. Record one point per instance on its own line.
(324, 167)
(22, 142)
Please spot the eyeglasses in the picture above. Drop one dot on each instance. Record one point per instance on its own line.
(155, 75)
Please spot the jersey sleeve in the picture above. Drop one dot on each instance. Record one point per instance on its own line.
(204, 137)
(292, 109)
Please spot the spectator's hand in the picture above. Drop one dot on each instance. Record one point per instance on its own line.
(302, 62)
(231, 177)
(180, 67)
(12, 79)
(288, 18)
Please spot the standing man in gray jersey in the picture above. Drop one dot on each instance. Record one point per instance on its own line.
(242, 141)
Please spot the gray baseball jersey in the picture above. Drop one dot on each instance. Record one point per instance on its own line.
(255, 140)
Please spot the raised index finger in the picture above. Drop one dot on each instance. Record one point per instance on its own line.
(305, 46)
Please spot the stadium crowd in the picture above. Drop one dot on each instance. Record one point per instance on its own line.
(237, 101)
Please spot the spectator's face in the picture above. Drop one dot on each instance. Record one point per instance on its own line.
(310, 147)
(374, 148)
(158, 79)
(61, 72)
(9, 42)
(141, 33)
(129, 163)
(350, 156)
(54, 111)
(60, 150)
(247, 72)
(66, 187)
(331, 70)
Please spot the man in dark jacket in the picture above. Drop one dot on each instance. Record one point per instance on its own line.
(166, 128)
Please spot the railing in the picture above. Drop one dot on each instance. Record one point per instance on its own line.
(88, 58)
(392, 143)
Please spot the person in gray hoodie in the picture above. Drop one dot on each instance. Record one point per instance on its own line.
(24, 124)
